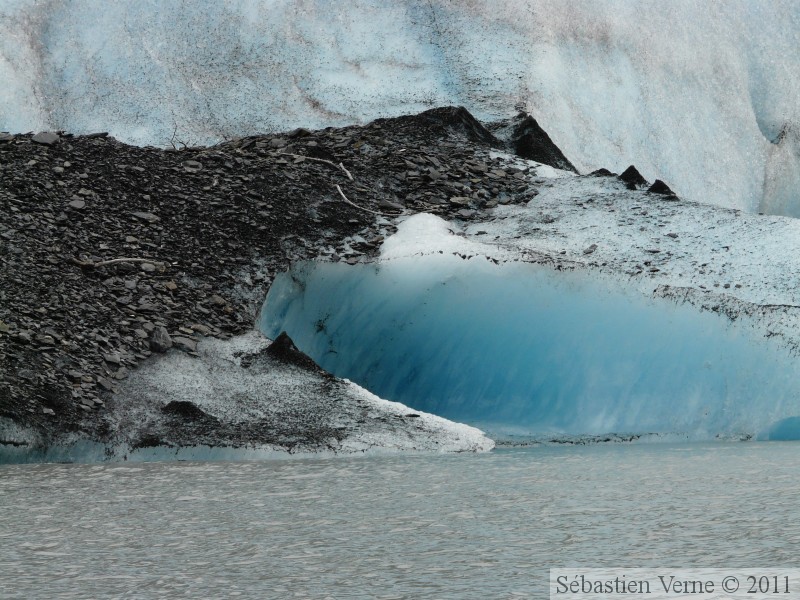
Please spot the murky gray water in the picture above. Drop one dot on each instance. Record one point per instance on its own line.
(471, 526)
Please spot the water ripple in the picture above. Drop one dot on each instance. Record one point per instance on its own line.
(390, 527)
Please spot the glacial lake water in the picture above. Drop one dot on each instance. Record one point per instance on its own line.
(464, 526)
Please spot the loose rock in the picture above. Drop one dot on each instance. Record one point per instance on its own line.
(46, 138)
(160, 340)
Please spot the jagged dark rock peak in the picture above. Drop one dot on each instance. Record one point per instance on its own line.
(284, 350)
(632, 178)
(530, 141)
(186, 410)
(452, 119)
(659, 187)
(602, 173)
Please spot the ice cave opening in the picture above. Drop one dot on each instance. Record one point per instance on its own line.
(524, 349)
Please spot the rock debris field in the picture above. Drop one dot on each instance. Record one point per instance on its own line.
(112, 254)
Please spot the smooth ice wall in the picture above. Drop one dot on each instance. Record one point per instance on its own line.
(704, 95)
(523, 349)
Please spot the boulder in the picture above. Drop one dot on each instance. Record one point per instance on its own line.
(46, 138)
(160, 340)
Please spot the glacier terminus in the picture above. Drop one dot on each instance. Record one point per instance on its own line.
(594, 309)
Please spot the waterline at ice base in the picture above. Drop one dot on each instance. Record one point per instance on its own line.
(528, 350)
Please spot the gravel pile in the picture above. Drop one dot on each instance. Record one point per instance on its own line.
(111, 254)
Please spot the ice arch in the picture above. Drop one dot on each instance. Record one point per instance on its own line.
(519, 348)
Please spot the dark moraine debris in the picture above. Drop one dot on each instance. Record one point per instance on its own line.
(149, 441)
(659, 187)
(452, 119)
(632, 178)
(531, 142)
(46, 138)
(112, 254)
(284, 350)
(186, 410)
(602, 173)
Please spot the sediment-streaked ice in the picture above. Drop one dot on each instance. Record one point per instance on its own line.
(260, 409)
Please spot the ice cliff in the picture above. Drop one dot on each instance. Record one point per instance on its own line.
(591, 310)
(703, 95)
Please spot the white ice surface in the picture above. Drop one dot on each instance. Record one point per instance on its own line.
(218, 384)
(268, 394)
(703, 95)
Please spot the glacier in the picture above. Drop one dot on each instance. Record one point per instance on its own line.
(518, 324)
(702, 95)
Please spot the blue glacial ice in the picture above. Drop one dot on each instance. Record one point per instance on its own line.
(700, 94)
(519, 348)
